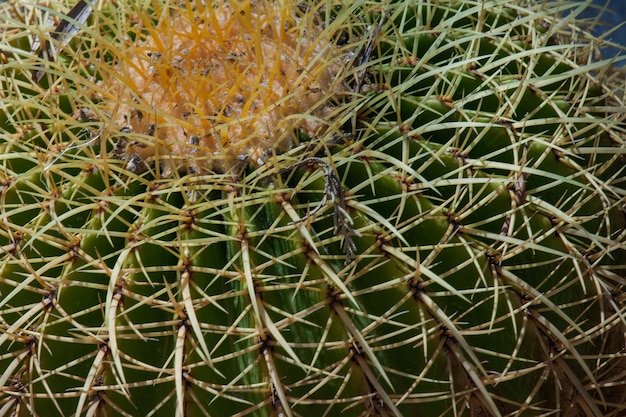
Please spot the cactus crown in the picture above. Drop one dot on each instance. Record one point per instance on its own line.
(213, 85)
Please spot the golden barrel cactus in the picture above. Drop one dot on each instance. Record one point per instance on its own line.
(312, 208)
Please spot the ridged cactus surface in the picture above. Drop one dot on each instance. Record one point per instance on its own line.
(314, 208)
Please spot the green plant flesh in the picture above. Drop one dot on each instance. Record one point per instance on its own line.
(441, 232)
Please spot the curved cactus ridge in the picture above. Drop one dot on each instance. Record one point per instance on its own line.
(313, 208)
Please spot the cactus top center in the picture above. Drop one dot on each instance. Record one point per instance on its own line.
(205, 87)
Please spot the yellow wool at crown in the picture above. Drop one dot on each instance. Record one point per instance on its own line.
(208, 87)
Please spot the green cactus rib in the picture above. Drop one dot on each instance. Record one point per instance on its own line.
(453, 245)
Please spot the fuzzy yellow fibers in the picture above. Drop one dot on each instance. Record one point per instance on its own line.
(209, 86)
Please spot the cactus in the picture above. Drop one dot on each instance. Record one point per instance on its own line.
(281, 208)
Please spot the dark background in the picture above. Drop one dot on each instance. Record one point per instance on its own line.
(607, 20)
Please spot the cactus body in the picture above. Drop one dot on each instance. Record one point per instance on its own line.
(398, 208)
